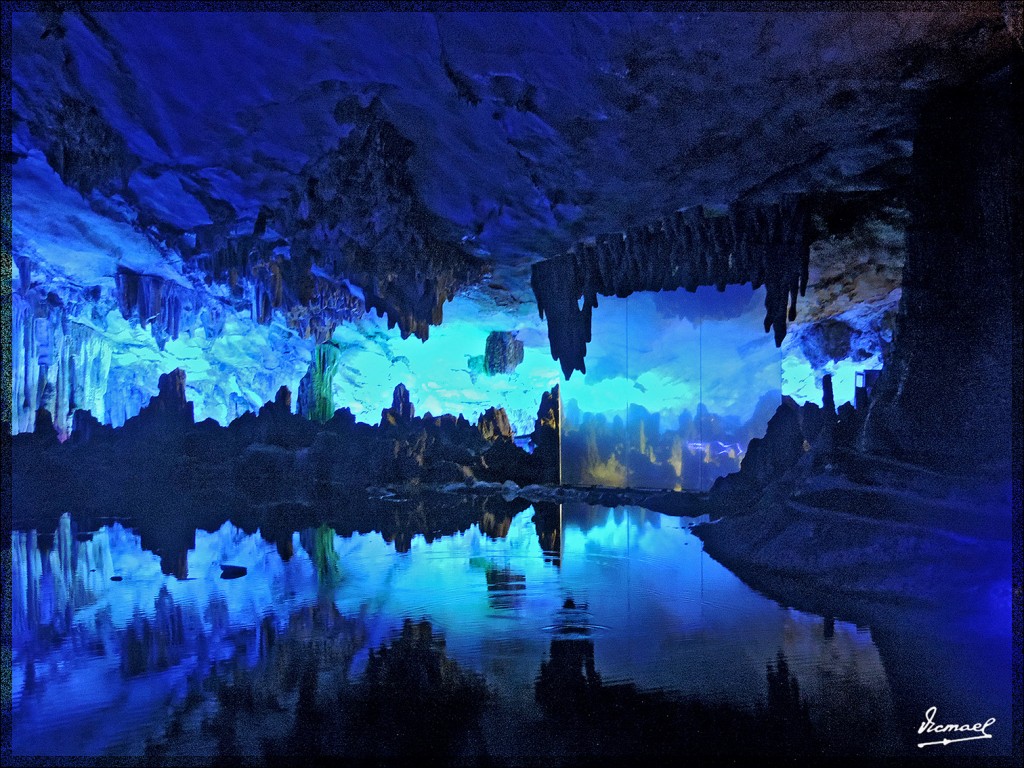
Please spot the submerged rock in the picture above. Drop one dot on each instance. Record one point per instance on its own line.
(233, 571)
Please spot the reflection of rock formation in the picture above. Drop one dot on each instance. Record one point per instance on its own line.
(413, 698)
(504, 588)
(49, 585)
(319, 544)
(568, 679)
(547, 520)
(594, 718)
(154, 644)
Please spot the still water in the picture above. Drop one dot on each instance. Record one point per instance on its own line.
(573, 630)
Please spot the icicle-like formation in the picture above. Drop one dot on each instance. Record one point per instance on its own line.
(358, 233)
(57, 364)
(61, 364)
(758, 244)
(165, 307)
(47, 587)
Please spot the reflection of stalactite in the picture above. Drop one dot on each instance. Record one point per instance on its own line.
(762, 245)
(48, 588)
(26, 582)
(319, 544)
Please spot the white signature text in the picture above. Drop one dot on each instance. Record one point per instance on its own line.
(978, 730)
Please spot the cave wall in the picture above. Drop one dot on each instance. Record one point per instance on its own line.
(945, 396)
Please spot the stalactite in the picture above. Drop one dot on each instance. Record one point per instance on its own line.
(750, 243)
(167, 308)
(503, 352)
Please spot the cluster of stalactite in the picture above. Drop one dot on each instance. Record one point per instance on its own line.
(57, 363)
(262, 269)
(352, 236)
(62, 363)
(761, 244)
(355, 219)
(165, 307)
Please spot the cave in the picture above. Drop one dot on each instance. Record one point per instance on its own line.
(524, 387)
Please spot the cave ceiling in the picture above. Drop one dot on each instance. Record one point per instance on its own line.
(503, 136)
(312, 167)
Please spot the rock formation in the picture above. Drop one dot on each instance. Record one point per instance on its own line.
(946, 395)
(749, 243)
(503, 352)
(401, 410)
(493, 425)
(315, 399)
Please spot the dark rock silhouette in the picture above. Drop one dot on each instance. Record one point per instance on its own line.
(401, 410)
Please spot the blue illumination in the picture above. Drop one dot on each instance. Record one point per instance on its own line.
(658, 610)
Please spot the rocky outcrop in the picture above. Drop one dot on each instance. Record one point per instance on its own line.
(503, 352)
(170, 406)
(545, 437)
(493, 425)
(162, 466)
(401, 410)
(748, 243)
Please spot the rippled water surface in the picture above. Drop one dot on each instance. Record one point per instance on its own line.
(545, 635)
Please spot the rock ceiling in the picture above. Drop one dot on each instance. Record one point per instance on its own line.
(510, 136)
(313, 166)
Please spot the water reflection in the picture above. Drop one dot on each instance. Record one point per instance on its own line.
(524, 634)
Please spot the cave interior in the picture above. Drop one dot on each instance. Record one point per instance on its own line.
(303, 269)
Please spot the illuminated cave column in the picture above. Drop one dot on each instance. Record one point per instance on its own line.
(315, 401)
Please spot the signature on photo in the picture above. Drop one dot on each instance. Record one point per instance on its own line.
(977, 730)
